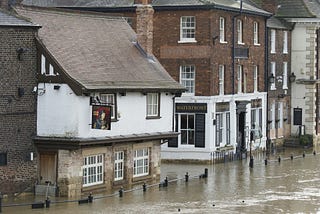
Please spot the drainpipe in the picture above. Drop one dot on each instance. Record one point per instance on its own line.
(233, 46)
(317, 77)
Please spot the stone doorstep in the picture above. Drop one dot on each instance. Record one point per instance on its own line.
(46, 190)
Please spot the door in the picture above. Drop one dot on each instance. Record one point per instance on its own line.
(48, 168)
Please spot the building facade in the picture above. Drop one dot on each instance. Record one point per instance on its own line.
(18, 163)
(104, 105)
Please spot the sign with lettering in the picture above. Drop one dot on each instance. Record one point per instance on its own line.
(191, 107)
(222, 107)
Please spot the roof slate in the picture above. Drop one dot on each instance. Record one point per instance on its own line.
(298, 9)
(98, 51)
(7, 19)
(225, 4)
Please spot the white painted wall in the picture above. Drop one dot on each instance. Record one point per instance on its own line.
(63, 114)
(191, 152)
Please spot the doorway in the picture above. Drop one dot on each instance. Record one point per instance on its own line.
(48, 168)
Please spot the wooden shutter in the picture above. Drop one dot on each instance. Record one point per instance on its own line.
(200, 130)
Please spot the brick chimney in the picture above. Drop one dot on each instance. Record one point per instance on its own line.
(145, 26)
(142, 1)
(4, 4)
(270, 5)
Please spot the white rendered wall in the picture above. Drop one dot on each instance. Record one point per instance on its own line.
(63, 114)
(190, 152)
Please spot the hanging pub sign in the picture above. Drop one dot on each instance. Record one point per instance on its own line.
(101, 117)
(191, 107)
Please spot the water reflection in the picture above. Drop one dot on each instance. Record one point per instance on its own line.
(291, 186)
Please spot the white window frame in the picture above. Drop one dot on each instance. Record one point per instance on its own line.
(190, 131)
(43, 64)
(285, 42)
(256, 118)
(222, 24)
(223, 128)
(273, 71)
(93, 170)
(285, 75)
(280, 115)
(153, 100)
(118, 165)
(255, 33)
(109, 99)
(239, 78)
(240, 31)
(187, 78)
(187, 29)
(273, 116)
(273, 41)
(255, 78)
(141, 162)
(221, 79)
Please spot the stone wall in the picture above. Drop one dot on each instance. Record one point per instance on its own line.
(17, 109)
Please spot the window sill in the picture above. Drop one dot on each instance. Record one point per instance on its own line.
(257, 44)
(223, 42)
(153, 117)
(285, 52)
(241, 43)
(272, 52)
(186, 41)
(141, 178)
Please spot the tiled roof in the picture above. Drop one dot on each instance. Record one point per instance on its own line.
(7, 19)
(298, 9)
(276, 23)
(224, 4)
(98, 51)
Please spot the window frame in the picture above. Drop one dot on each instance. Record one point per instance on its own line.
(239, 78)
(184, 30)
(255, 78)
(222, 27)
(240, 32)
(188, 130)
(113, 103)
(144, 159)
(285, 75)
(189, 83)
(256, 33)
(93, 168)
(118, 165)
(3, 159)
(285, 42)
(221, 79)
(273, 41)
(153, 105)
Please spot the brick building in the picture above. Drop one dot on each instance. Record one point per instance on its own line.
(18, 55)
(217, 50)
(104, 104)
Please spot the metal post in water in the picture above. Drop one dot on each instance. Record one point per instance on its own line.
(304, 154)
(314, 152)
(166, 182)
(90, 198)
(187, 177)
(266, 161)
(121, 192)
(47, 202)
(279, 159)
(291, 156)
(206, 172)
(144, 187)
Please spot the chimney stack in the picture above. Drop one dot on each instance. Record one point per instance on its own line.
(4, 4)
(145, 26)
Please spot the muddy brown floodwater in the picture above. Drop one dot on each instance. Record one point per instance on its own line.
(291, 186)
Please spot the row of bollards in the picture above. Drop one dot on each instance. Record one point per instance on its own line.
(279, 158)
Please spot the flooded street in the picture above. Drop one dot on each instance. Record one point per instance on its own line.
(291, 186)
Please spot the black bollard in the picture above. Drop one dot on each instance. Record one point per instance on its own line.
(187, 177)
(279, 159)
(144, 187)
(206, 172)
(90, 198)
(291, 156)
(304, 154)
(121, 192)
(266, 161)
(166, 181)
(314, 152)
(47, 202)
(251, 162)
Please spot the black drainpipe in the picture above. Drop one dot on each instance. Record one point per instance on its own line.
(317, 85)
(266, 79)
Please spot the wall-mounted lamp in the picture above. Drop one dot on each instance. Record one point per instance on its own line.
(56, 87)
(292, 77)
(271, 79)
(20, 51)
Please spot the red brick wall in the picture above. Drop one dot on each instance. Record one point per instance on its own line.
(17, 114)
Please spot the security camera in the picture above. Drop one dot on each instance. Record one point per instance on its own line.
(35, 89)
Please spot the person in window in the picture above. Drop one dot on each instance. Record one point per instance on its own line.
(102, 121)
